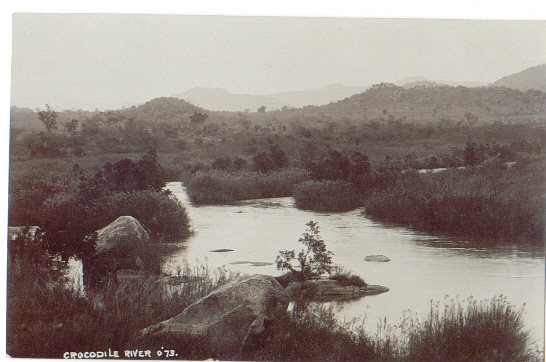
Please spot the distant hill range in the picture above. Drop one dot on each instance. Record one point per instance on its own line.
(318, 97)
(531, 78)
(218, 99)
(410, 82)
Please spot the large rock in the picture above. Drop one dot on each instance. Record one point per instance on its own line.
(327, 290)
(119, 246)
(230, 314)
(124, 234)
(378, 258)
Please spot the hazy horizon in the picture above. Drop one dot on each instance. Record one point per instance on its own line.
(106, 60)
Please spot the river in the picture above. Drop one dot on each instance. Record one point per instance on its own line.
(423, 268)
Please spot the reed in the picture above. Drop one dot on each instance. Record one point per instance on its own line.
(328, 196)
(492, 204)
(216, 187)
(48, 315)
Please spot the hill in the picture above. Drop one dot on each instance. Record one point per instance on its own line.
(410, 82)
(218, 99)
(388, 102)
(319, 97)
(531, 78)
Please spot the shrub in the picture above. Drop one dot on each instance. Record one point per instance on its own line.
(67, 218)
(314, 259)
(161, 214)
(326, 196)
(274, 160)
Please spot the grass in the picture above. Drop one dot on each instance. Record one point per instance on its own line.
(347, 278)
(46, 317)
(489, 330)
(493, 203)
(332, 196)
(343, 276)
(216, 187)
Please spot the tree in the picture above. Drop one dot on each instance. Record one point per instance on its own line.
(48, 118)
(71, 126)
(314, 259)
(274, 160)
(261, 109)
(198, 118)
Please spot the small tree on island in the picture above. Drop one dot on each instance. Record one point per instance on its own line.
(313, 261)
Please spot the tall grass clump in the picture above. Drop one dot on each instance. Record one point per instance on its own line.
(313, 333)
(216, 187)
(326, 196)
(472, 331)
(346, 277)
(47, 315)
(494, 203)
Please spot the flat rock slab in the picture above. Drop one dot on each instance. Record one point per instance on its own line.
(252, 263)
(221, 250)
(377, 258)
(331, 290)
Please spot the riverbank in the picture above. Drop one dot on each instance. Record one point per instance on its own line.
(45, 320)
(493, 204)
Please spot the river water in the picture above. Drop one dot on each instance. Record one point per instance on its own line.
(423, 268)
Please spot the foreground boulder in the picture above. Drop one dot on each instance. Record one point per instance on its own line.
(230, 315)
(327, 290)
(378, 258)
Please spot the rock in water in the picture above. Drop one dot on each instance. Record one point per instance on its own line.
(120, 245)
(230, 314)
(328, 290)
(379, 258)
(123, 234)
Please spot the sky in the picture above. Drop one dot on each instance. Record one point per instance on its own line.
(105, 60)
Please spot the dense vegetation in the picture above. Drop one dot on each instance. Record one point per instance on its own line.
(70, 206)
(488, 204)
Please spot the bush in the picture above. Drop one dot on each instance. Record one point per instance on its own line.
(71, 205)
(161, 214)
(347, 278)
(68, 218)
(326, 196)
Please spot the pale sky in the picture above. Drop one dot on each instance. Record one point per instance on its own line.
(82, 60)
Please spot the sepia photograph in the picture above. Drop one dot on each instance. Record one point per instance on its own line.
(278, 188)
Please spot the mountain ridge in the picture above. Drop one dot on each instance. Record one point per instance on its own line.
(530, 78)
